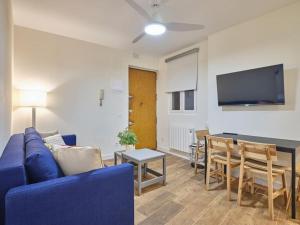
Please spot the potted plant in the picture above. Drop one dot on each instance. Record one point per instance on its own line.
(127, 139)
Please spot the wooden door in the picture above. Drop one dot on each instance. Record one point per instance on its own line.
(142, 107)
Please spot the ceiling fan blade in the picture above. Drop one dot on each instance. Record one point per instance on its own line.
(183, 26)
(164, 1)
(138, 37)
(139, 9)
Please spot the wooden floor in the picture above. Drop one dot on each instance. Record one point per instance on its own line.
(184, 201)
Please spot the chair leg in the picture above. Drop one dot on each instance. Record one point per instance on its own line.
(298, 189)
(208, 171)
(288, 204)
(252, 185)
(223, 174)
(241, 181)
(216, 169)
(228, 175)
(195, 162)
(285, 187)
(270, 194)
(289, 200)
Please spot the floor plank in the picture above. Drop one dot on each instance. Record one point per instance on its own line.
(165, 212)
(184, 201)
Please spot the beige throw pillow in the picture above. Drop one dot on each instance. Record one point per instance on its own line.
(75, 160)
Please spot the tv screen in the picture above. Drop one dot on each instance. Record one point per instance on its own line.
(251, 87)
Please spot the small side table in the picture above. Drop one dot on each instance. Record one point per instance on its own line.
(118, 155)
(141, 158)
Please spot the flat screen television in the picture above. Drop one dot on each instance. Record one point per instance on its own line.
(252, 87)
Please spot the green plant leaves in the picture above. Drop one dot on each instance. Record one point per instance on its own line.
(127, 137)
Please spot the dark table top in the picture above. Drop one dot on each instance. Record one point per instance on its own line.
(283, 145)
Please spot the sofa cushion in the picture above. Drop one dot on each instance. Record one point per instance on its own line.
(29, 130)
(31, 134)
(70, 139)
(39, 162)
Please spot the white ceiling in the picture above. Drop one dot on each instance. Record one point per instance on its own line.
(113, 23)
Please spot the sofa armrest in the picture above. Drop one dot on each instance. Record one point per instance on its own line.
(69, 139)
(99, 197)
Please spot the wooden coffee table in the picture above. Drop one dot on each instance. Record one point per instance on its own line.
(142, 157)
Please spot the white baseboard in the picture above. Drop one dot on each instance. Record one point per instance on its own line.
(108, 156)
(161, 148)
(167, 150)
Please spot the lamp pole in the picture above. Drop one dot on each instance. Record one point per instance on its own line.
(33, 117)
(32, 99)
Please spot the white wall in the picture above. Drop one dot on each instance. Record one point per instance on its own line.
(73, 72)
(197, 119)
(267, 40)
(5, 71)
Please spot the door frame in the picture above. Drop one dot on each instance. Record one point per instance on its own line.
(149, 70)
(142, 68)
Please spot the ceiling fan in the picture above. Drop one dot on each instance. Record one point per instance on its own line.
(155, 27)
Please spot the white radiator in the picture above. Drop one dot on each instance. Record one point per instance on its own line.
(180, 138)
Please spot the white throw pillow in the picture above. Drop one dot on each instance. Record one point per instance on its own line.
(55, 147)
(55, 140)
(75, 160)
(48, 133)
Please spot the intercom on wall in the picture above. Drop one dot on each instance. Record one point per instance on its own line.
(101, 96)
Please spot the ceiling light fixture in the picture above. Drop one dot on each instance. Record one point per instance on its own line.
(155, 29)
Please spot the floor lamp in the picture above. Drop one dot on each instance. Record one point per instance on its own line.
(33, 99)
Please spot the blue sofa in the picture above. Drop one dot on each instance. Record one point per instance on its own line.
(99, 197)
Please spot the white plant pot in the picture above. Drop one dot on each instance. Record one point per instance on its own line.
(128, 147)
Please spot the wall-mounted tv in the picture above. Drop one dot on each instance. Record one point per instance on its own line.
(252, 87)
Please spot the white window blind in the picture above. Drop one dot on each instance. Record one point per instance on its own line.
(182, 73)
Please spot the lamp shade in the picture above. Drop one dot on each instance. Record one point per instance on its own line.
(32, 98)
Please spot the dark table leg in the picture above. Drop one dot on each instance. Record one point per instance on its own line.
(205, 160)
(293, 184)
(115, 159)
(145, 169)
(139, 181)
(164, 170)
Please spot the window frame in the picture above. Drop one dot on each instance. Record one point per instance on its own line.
(182, 109)
(180, 101)
(194, 96)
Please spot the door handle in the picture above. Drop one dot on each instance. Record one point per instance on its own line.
(130, 123)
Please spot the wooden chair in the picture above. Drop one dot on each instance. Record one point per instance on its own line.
(298, 189)
(200, 134)
(220, 152)
(257, 160)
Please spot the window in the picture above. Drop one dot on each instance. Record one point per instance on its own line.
(176, 100)
(183, 101)
(189, 100)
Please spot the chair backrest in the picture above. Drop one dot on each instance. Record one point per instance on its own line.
(200, 134)
(257, 151)
(219, 144)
